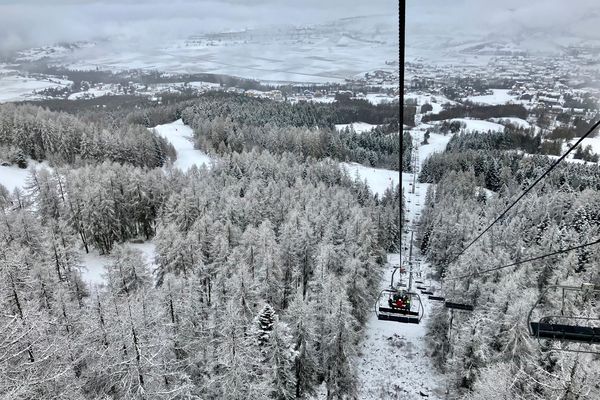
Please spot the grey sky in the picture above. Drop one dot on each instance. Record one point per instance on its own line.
(25, 23)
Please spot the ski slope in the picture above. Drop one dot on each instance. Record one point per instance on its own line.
(181, 137)
(394, 360)
(380, 179)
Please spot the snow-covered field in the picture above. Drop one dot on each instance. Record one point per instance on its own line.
(358, 127)
(17, 87)
(519, 122)
(479, 125)
(378, 179)
(594, 142)
(12, 177)
(376, 98)
(436, 101)
(94, 264)
(89, 94)
(180, 135)
(500, 96)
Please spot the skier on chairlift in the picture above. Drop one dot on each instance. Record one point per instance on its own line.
(396, 301)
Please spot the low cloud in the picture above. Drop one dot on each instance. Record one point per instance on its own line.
(506, 17)
(38, 22)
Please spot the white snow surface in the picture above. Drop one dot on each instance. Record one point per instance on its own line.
(17, 88)
(180, 136)
(594, 142)
(94, 264)
(358, 127)
(500, 96)
(91, 93)
(479, 125)
(377, 98)
(519, 122)
(378, 179)
(436, 101)
(12, 177)
(394, 362)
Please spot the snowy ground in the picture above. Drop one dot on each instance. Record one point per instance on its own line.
(180, 135)
(94, 264)
(394, 362)
(436, 101)
(500, 96)
(17, 88)
(479, 125)
(519, 122)
(322, 52)
(378, 179)
(377, 98)
(358, 127)
(594, 142)
(12, 177)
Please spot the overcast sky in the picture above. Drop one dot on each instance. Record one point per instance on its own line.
(500, 17)
(26, 23)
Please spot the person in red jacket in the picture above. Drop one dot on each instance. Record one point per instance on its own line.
(396, 301)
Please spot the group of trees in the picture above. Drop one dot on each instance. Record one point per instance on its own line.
(489, 352)
(495, 170)
(254, 111)
(478, 111)
(244, 126)
(33, 132)
(266, 266)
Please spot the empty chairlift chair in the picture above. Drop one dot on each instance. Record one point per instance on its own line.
(400, 306)
(453, 305)
(568, 329)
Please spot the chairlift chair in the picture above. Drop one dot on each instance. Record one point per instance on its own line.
(458, 306)
(385, 309)
(567, 329)
(436, 298)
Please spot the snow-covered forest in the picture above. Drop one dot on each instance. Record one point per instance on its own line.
(267, 263)
(489, 353)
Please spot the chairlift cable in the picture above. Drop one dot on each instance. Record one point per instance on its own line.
(562, 251)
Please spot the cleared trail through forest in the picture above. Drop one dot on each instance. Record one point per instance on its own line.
(394, 362)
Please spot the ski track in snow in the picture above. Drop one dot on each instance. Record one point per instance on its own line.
(394, 360)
